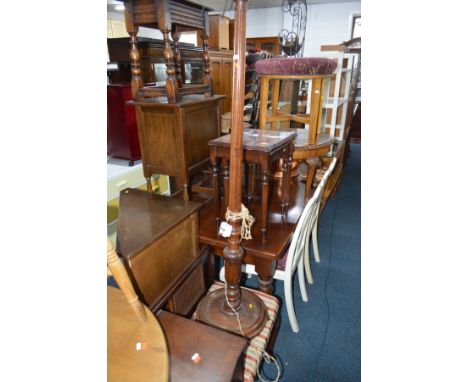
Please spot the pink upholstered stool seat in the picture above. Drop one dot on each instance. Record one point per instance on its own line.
(296, 66)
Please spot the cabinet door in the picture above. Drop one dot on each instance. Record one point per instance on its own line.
(216, 77)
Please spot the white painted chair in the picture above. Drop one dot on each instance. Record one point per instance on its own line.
(313, 224)
(294, 260)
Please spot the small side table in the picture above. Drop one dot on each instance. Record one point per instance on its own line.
(261, 147)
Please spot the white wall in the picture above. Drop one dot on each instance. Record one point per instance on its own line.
(262, 22)
(326, 23)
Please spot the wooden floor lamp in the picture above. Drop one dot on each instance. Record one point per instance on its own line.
(228, 308)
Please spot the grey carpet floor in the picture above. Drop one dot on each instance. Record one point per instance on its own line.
(328, 345)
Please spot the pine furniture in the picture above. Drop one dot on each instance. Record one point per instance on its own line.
(311, 143)
(136, 346)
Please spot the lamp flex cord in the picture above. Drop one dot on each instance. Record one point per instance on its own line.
(247, 221)
(266, 357)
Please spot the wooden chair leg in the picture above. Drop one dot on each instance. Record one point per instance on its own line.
(315, 109)
(274, 103)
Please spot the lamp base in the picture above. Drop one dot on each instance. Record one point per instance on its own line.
(214, 310)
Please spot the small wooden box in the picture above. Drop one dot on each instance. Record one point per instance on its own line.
(219, 32)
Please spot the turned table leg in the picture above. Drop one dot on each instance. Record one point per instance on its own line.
(286, 179)
(265, 191)
(214, 163)
(265, 269)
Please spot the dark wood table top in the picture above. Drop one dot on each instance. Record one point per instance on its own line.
(145, 217)
(259, 140)
(219, 350)
(280, 228)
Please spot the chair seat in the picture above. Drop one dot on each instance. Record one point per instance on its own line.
(252, 355)
(300, 66)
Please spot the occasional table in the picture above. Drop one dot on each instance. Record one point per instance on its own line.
(261, 147)
(135, 351)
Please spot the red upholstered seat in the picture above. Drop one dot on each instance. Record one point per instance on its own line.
(296, 66)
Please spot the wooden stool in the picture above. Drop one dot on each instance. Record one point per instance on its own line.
(170, 17)
(310, 144)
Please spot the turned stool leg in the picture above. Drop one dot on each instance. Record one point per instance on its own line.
(206, 60)
(264, 84)
(178, 59)
(274, 103)
(172, 86)
(315, 109)
(137, 81)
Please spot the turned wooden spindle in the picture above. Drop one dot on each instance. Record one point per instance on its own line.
(137, 81)
(178, 59)
(132, 30)
(117, 269)
(172, 85)
(206, 61)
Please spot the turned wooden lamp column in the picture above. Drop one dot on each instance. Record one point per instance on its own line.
(213, 309)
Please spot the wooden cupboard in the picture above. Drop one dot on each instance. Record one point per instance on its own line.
(221, 76)
(268, 44)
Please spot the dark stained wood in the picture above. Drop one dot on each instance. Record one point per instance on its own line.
(262, 253)
(221, 76)
(222, 353)
(262, 147)
(157, 237)
(151, 52)
(174, 137)
(169, 16)
(269, 44)
(122, 130)
(213, 308)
